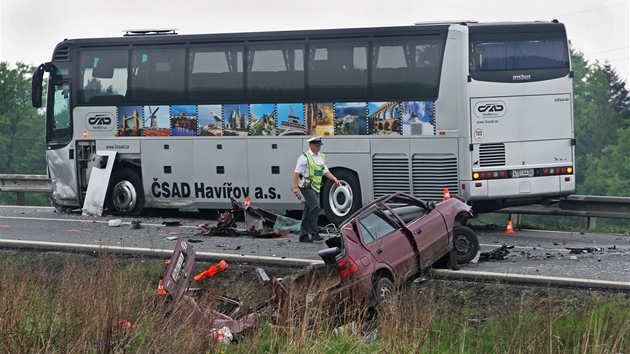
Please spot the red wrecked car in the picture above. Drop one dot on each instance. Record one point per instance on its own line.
(391, 239)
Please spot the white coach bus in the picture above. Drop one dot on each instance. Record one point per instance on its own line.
(154, 119)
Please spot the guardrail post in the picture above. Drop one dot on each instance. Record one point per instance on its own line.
(20, 199)
(591, 222)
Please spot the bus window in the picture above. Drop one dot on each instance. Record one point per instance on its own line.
(158, 75)
(275, 71)
(521, 55)
(406, 69)
(215, 74)
(513, 55)
(60, 125)
(337, 71)
(103, 76)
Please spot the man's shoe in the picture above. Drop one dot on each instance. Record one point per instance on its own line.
(316, 237)
(305, 238)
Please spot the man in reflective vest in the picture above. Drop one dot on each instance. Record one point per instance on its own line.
(308, 179)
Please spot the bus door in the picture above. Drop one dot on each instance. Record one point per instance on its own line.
(59, 152)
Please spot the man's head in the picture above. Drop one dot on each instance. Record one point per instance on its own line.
(317, 141)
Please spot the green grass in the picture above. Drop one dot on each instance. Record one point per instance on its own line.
(76, 304)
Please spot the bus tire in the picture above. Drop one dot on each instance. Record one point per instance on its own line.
(341, 201)
(125, 194)
(465, 243)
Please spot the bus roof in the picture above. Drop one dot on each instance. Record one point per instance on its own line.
(168, 36)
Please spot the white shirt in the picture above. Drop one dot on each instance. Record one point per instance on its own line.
(302, 163)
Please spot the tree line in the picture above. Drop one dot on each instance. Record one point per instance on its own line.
(601, 123)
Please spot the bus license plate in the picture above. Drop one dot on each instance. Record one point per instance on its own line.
(528, 172)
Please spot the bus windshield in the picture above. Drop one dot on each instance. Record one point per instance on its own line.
(505, 56)
(517, 55)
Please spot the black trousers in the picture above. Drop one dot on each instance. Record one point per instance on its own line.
(310, 213)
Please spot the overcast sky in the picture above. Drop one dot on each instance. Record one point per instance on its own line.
(30, 29)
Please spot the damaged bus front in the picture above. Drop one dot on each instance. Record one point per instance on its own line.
(60, 152)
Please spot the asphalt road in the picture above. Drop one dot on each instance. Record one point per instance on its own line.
(541, 256)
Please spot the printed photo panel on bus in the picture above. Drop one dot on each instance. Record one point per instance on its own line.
(130, 120)
(384, 118)
(235, 122)
(156, 121)
(319, 119)
(290, 119)
(210, 120)
(184, 120)
(351, 118)
(418, 118)
(262, 119)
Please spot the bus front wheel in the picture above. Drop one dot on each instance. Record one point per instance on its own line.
(341, 201)
(125, 194)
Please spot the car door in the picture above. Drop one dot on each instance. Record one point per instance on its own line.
(431, 236)
(387, 243)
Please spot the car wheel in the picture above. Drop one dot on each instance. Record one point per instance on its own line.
(383, 293)
(125, 194)
(465, 243)
(341, 201)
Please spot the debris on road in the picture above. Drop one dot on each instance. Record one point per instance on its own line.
(231, 317)
(114, 223)
(136, 224)
(214, 269)
(496, 254)
(581, 250)
(172, 223)
(258, 222)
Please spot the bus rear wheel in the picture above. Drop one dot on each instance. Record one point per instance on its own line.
(125, 193)
(341, 201)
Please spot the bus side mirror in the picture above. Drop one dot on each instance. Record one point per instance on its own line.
(37, 86)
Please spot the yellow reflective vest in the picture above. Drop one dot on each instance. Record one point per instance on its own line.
(315, 172)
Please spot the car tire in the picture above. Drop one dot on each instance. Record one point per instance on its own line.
(125, 194)
(465, 243)
(382, 292)
(341, 201)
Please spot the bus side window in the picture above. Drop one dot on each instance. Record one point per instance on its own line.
(103, 76)
(337, 70)
(407, 69)
(215, 74)
(158, 75)
(275, 71)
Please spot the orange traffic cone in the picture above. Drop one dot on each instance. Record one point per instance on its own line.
(447, 195)
(161, 290)
(510, 229)
(248, 201)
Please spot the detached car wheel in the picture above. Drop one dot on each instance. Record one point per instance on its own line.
(466, 244)
(341, 201)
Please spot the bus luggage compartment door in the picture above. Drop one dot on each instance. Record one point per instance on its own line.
(102, 164)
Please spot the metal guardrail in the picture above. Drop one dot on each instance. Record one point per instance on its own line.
(24, 183)
(587, 206)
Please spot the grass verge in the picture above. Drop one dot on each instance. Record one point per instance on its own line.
(59, 303)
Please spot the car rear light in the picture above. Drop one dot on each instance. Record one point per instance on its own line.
(347, 267)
